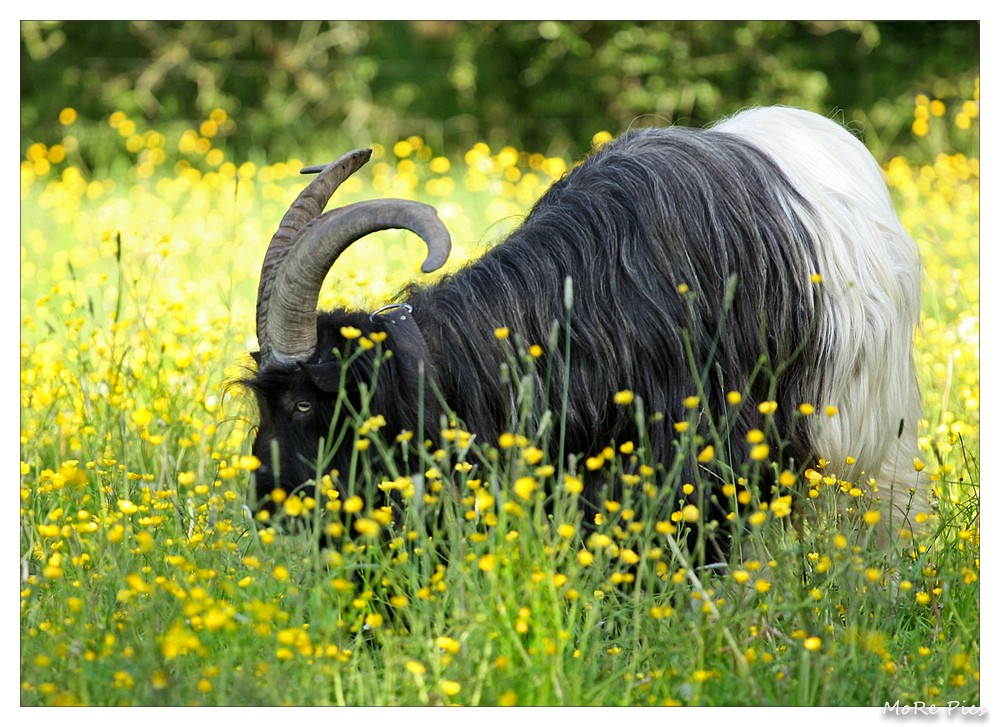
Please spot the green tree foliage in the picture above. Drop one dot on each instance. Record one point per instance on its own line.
(545, 85)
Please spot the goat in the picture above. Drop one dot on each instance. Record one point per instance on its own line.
(695, 258)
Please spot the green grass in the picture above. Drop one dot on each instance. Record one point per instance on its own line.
(145, 580)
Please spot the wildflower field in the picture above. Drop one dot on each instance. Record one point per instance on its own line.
(146, 580)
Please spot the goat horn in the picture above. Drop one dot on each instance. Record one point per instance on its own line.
(306, 207)
(291, 326)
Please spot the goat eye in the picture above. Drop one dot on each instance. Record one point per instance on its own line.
(303, 406)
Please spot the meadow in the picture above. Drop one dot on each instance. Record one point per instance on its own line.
(146, 580)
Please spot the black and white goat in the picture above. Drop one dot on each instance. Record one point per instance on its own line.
(749, 215)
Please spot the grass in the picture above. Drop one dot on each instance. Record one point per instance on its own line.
(146, 581)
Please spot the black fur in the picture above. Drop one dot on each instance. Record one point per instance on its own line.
(654, 210)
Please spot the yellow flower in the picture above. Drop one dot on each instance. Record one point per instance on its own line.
(524, 486)
(54, 568)
(624, 397)
(215, 618)
(782, 506)
(812, 643)
(664, 527)
(450, 687)
(341, 584)
(533, 455)
(248, 462)
(487, 563)
(179, 640)
(446, 643)
(601, 138)
(367, 526)
(706, 454)
(629, 556)
(734, 398)
(440, 165)
(349, 332)
(690, 514)
(293, 506)
(402, 149)
(660, 612)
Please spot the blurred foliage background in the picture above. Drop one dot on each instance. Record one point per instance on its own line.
(548, 86)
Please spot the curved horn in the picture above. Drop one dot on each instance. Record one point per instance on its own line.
(291, 325)
(306, 207)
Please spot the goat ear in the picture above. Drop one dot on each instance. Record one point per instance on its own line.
(326, 375)
(255, 355)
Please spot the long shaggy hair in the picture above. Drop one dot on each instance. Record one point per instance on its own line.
(871, 278)
(767, 199)
(652, 212)
(693, 257)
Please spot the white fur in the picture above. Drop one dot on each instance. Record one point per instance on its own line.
(870, 271)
